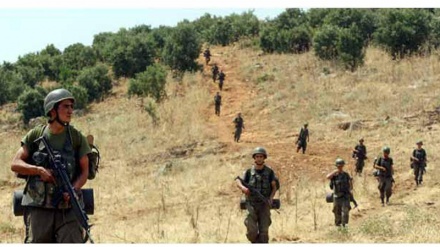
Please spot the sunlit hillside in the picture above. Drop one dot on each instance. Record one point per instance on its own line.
(173, 181)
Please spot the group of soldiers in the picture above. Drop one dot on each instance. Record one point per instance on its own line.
(49, 220)
(260, 178)
(238, 120)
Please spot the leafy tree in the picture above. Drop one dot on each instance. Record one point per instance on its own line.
(31, 68)
(365, 19)
(221, 33)
(11, 85)
(325, 42)
(96, 81)
(101, 45)
(30, 104)
(350, 47)
(316, 17)
(287, 33)
(403, 31)
(182, 48)
(79, 56)
(149, 83)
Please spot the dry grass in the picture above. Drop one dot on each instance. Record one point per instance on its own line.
(173, 182)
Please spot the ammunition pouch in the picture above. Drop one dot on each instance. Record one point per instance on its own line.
(88, 198)
(329, 197)
(276, 204)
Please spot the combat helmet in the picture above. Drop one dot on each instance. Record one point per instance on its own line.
(386, 149)
(55, 97)
(259, 150)
(339, 162)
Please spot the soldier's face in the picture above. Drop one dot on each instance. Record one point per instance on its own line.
(385, 154)
(65, 110)
(340, 168)
(259, 159)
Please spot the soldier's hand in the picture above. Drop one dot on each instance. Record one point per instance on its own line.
(246, 191)
(46, 175)
(270, 202)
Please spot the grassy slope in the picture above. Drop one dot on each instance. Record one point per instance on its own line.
(139, 200)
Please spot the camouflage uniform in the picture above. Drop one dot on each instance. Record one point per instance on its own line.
(218, 103)
(239, 126)
(419, 164)
(302, 139)
(221, 78)
(43, 200)
(214, 72)
(340, 183)
(360, 157)
(385, 178)
(258, 218)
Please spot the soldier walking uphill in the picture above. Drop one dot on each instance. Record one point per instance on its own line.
(360, 154)
(303, 138)
(48, 215)
(384, 165)
(214, 72)
(207, 55)
(418, 162)
(221, 78)
(342, 185)
(239, 126)
(262, 179)
(218, 103)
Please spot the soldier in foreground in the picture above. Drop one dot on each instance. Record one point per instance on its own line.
(218, 103)
(418, 162)
(261, 178)
(303, 138)
(342, 185)
(360, 154)
(48, 215)
(239, 126)
(385, 176)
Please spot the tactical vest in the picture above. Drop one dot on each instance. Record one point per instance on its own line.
(341, 185)
(387, 164)
(260, 182)
(303, 134)
(41, 194)
(362, 150)
(238, 122)
(420, 155)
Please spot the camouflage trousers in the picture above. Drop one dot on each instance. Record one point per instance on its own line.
(385, 187)
(52, 226)
(419, 170)
(341, 209)
(237, 134)
(257, 222)
(360, 163)
(220, 85)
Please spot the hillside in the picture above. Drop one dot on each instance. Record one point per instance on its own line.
(174, 182)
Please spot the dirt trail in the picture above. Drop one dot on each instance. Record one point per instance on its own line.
(282, 151)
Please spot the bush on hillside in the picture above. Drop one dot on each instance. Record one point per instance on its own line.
(96, 81)
(150, 83)
(80, 95)
(182, 48)
(30, 104)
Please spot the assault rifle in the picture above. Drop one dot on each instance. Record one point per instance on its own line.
(257, 193)
(62, 180)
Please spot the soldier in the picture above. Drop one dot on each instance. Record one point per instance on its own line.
(303, 138)
(218, 103)
(418, 164)
(360, 154)
(342, 185)
(214, 72)
(221, 78)
(385, 176)
(207, 55)
(261, 178)
(239, 126)
(49, 220)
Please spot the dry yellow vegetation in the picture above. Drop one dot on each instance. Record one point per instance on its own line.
(174, 182)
